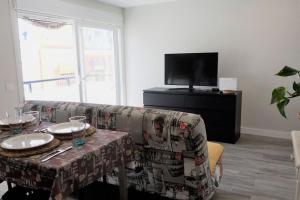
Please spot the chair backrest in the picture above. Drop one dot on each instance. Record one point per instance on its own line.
(171, 145)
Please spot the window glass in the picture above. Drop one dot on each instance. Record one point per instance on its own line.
(53, 71)
(99, 68)
(48, 57)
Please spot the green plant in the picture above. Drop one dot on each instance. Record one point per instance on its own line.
(281, 96)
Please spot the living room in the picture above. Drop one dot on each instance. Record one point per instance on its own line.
(115, 52)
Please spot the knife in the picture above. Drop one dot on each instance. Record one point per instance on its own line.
(55, 153)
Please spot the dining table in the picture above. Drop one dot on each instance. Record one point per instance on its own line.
(74, 169)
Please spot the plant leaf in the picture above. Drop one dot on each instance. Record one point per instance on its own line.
(296, 87)
(281, 106)
(287, 71)
(278, 94)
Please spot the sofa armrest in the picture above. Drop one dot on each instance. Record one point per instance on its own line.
(197, 174)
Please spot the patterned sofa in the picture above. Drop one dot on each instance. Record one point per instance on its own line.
(171, 156)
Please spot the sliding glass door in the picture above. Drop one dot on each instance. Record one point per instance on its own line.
(66, 61)
(98, 69)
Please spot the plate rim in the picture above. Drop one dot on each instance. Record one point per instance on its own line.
(23, 121)
(23, 135)
(65, 133)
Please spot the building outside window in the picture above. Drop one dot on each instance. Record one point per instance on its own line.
(66, 61)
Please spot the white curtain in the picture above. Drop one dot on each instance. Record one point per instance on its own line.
(45, 23)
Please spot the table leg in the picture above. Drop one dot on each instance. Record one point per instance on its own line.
(104, 178)
(9, 186)
(123, 183)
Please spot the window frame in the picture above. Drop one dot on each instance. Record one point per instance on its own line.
(77, 24)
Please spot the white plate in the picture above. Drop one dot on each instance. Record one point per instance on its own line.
(67, 128)
(27, 141)
(24, 119)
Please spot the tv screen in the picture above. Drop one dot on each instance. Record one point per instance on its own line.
(199, 69)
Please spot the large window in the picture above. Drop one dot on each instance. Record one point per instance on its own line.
(65, 61)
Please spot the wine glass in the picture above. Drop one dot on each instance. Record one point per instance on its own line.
(19, 108)
(35, 115)
(15, 123)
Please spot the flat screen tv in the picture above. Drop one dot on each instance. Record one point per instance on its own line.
(192, 69)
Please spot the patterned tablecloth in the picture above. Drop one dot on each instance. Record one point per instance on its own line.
(73, 169)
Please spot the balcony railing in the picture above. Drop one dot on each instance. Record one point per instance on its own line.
(92, 88)
(67, 79)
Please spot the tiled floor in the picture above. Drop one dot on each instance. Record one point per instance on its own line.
(258, 168)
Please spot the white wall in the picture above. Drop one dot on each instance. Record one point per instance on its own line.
(254, 38)
(83, 9)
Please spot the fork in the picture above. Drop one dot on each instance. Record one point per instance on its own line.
(54, 153)
(44, 130)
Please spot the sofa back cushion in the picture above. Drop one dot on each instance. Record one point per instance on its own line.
(171, 150)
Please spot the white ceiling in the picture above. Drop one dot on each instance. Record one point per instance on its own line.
(131, 3)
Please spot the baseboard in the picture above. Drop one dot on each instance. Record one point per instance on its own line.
(266, 132)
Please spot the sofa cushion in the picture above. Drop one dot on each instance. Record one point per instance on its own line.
(215, 152)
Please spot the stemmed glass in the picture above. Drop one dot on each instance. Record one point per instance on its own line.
(15, 122)
(19, 108)
(37, 118)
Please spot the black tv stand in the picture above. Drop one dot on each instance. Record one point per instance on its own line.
(182, 89)
(194, 90)
(190, 88)
(220, 112)
(178, 88)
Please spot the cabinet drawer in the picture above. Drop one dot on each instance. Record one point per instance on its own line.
(210, 102)
(222, 134)
(218, 117)
(166, 100)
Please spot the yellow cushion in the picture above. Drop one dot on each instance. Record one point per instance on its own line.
(215, 152)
